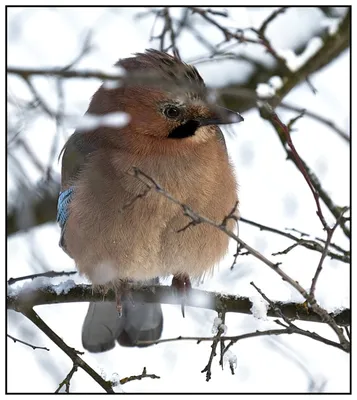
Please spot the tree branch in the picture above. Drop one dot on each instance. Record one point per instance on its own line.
(49, 274)
(330, 232)
(123, 381)
(215, 341)
(309, 244)
(67, 380)
(164, 295)
(235, 339)
(27, 344)
(314, 184)
(28, 312)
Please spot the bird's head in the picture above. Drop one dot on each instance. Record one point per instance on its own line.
(166, 100)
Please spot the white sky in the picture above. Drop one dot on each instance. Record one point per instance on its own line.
(272, 192)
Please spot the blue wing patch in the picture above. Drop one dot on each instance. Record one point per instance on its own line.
(64, 199)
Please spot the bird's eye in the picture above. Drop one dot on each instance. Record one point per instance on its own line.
(172, 112)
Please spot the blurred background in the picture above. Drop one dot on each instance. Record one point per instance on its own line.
(239, 63)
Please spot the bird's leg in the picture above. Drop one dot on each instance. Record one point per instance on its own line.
(121, 289)
(182, 284)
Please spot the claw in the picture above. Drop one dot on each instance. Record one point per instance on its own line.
(183, 309)
(182, 284)
(121, 289)
(118, 299)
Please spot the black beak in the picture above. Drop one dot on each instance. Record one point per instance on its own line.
(221, 116)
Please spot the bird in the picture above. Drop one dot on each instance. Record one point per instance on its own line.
(119, 233)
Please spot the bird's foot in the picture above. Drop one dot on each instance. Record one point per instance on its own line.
(182, 284)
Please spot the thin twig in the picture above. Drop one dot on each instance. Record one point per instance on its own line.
(67, 380)
(330, 233)
(138, 377)
(215, 341)
(331, 124)
(25, 73)
(284, 130)
(270, 19)
(169, 28)
(235, 339)
(27, 344)
(48, 274)
(309, 244)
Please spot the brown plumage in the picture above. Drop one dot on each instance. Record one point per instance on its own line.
(171, 137)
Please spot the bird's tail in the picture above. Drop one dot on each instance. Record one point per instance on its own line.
(103, 326)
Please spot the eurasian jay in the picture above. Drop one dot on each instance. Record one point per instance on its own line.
(116, 236)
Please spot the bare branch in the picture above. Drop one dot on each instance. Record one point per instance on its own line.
(27, 344)
(25, 73)
(138, 377)
(283, 130)
(72, 353)
(330, 232)
(270, 19)
(215, 341)
(49, 274)
(67, 380)
(168, 27)
(309, 244)
(319, 118)
(268, 113)
(164, 295)
(235, 339)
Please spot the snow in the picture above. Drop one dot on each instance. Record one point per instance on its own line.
(64, 287)
(295, 62)
(41, 283)
(264, 90)
(111, 120)
(218, 326)
(230, 358)
(259, 308)
(115, 379)
(331, 24)
(276, 82)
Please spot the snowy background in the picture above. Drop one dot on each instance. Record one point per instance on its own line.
(272, 192)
